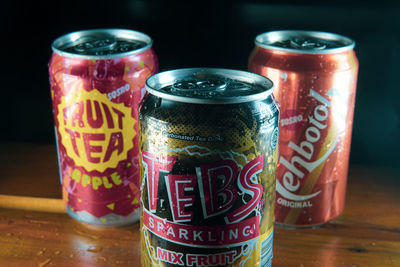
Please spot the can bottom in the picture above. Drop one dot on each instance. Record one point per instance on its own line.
(306, 226)
(108, 220)
(302, 226)
(291, 226)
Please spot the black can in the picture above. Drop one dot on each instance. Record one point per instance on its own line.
(209, 148)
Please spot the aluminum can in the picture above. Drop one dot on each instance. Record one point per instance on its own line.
(97, 80)
(315, 74)
(208, 143)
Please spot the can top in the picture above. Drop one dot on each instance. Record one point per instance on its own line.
(209, 86)
(304, 42)
(101, 43)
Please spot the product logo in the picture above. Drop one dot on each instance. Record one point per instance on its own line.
(291, 179)
(218, 185)
(96, 133)
(206, 178)
(291, 120)
(275, 138)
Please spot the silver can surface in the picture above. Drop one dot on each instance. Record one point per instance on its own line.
(209, 147)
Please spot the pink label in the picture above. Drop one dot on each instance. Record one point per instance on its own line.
(291, 120)
(195, 235)
(96, 119)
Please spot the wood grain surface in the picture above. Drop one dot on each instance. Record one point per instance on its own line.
(366, 234)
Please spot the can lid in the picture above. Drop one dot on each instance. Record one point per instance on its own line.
(101, 43)
(304, 42)
(209, 86)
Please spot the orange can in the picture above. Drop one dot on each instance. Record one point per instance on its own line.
(315, 75)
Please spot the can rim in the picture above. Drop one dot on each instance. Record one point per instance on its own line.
(265, 39)
(62, 41)
(156, 82)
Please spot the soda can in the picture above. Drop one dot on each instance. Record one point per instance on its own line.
(97, 80)
(208, 140)
(315, 74)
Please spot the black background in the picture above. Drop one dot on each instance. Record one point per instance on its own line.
(204, 34)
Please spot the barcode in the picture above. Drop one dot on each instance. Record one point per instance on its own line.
(266, 251)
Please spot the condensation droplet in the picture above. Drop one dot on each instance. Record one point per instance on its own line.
(94, 249)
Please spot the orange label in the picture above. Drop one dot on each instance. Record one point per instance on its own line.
(96, 133)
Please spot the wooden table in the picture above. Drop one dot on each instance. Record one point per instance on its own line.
(366, 234)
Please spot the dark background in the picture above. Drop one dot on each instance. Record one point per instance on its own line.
(204, 34)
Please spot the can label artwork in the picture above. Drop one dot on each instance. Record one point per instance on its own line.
(229, 226)
(95, 104)
(306, 160)
(208, 183)
(315, 76)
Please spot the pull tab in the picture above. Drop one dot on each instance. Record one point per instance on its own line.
(204, 88)
(209, 88)
(299, 43)
(96, 46)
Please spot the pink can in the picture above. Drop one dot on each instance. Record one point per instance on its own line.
(97, 81)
